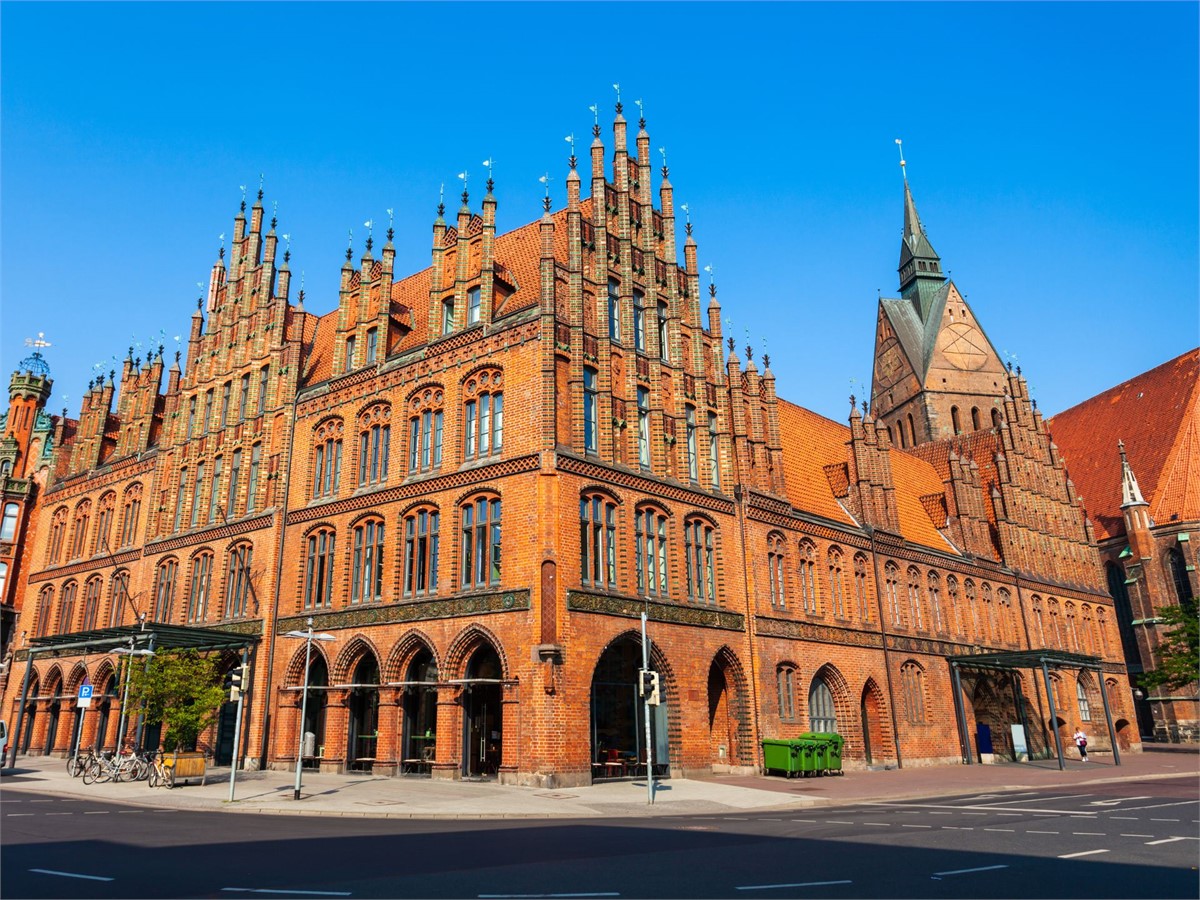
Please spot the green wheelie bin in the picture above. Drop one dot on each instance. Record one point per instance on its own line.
(808, 756)
(781, 756)
(820, 744)
(833, 751)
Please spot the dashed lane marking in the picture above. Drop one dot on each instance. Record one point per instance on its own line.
(13, 815)
(1081, 853)
(1137, 835)
(70, 875)
(1126, 818)
(585, 894)
(1161, 805)
(839, 822)
(916, 826)
(798, 884)
(1089, 833)
(1164, 820)
(999, 829)
(968, 871)
(1041, 832)
(97, 812)
(1169, 840)
(884, 824)
(307, 893)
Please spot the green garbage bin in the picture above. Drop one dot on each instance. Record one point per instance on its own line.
(781, 756)
(833, 751)
(820, 744)
(808, 756)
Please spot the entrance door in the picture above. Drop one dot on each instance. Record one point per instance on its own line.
(364, 715)
(226, 725)
(866, 727)
(51, 728)
(482, 724)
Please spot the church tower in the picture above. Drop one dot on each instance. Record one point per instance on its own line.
(936, 374)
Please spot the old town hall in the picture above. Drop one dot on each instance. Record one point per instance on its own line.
(477, 477)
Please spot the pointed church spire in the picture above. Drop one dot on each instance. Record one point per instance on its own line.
(920, 267)
(1131, 494)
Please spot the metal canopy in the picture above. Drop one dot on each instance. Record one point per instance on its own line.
(155, 636)
(1025, 659)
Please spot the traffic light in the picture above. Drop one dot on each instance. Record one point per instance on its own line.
(235, 681)
(648, 686)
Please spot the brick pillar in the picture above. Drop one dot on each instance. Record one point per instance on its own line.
(448, 762)
(337, 728)
(387, 745)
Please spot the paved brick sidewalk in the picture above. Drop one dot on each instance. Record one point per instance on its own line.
(377, 796)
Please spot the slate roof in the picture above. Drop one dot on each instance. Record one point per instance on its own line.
(917, 338)
(1157, 415)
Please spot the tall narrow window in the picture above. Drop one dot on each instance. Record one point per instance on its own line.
(366, 574)
(639, 321)
(421, 553)
(235, 474)
(207, 421)
(214, 497)
(264, 378)
(664, 342)
(597, 541)
(954, 422)
(808, 577)
(614, 311)
(914, 599)
(692, 463)
(481, 543)
(591, 405)
(129, 515)
(837, 600)
(425, 430)
(483, 426)
(318, 570)
(349, 363)
(821, 714)
(3, 580)
(327, 461)
(714, 451)
(447, 316)
(243, 397)
(913, 693)
(955, 612)
(58, 530)
(104, 517)
(473, 305)
(973, 606)
(197, 607)
(181, 498)
(45, 611)
(238, 588)
(164, 591)
(1177, 571)
(191, 418)
(374, 439)
(252, 478)
(226, 393)
(372, 345)
(1085, 706)
(860, 588)
(650, 550)
(91, 603)
(775, 570)
(935, 601)
(785, 682)
(196, 487)
(891, 579)
(643, 404)
(119, 593)
(66, 608)
(83, 515)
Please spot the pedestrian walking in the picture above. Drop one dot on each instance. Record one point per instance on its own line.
(1081, 743)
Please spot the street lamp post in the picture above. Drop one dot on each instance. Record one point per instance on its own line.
(130, 652)
(308, 637)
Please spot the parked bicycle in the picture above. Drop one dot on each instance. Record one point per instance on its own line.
(116, 768)
(160, 774)
(78, 763)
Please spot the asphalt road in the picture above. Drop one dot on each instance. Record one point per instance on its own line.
(1113, 840)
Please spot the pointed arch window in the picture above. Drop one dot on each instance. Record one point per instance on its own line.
(650, 551)
(598, 541)
(66, 607)
(238, 589)
(807, 573)
(366, 569)
(776, 562)
(785, 683)
(701, 568)
(973, 606)
(935, 601)
(327, 458)
(912, 682)
(425, 420)
(44, 611)
(837, 597)
(860, 587)
(91, 603)
(374, 440)
(58, 529)
(130, 512)
(481, 542)
(164, 590)
(180, 498)
(891, 581)
(483, 422)
(83, 514)
(914, 599)
(1085, 706)
(191, 418)
(421, 551)
(1178, 574)
(956, 613)
(1008, 620)
(821, 714)
(201, 584)
(318, 569)
(118, 594)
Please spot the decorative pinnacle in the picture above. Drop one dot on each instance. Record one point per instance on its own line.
(864, 407)
(1010, 365)
(853, 401)
(465, 176)
(370, 226)
(441, 207)
(160, 350)
(349, 244)
(570, 139)
(665, 170)
(641, 114)
(243, 189)
(274, 214)
(903, 170)
(595, 108)
(490, 165)
(545, 180)
(199, 304)
(731, 343)
(687, 216)
(617, 88)
(260, 185)
(176, 356)
(749, 353)
(766, 361)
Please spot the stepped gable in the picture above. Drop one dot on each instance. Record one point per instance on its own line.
(979, 446)
(811, 442)
(1156, 414)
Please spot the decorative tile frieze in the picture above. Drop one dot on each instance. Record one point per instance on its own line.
(631, 607)
(667, 491)
(411, 611)
(809, 631)
(209, 535)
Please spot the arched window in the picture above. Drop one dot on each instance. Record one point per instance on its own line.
(639, 321)
(421, 546)
(164, 590)
(775, 569)
(481, 542)
(973, 606)
(714, 451)
(66, 607)
(785, 681)
(900, 431)
(118, 592)
(1071, 627)
(8, 527)
(952, 597)
(974, 418)
(664, 341)
(45, 611)
(650, 546)
(58, 529)
(996, 418)
(238, 589)
(935, 601)
(598, 541)
(374, 440)
(1055, 632)
(252, 478)
(912, 686)
(807, 574)
(914, 598)
(201, 584)
(891, 582)
(1102, 630)
(912, 431)
(366, 568)
(860, 587)
(591, 410)
(837, 598)
(483, 422)
(196, 489)
(1085, 707)
(614, 310)
(954, 422)
(318, 569)
(1038, 620)
(991, 632)
(692, 463)
(130, 511)
(698, 545)
(327, 458)
(821, 715)
(91, 603)
(1178, 576)
(83, 513)
(425, 417)
(643, 408)
(1008, 619)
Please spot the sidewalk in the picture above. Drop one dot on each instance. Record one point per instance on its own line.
(366, 795)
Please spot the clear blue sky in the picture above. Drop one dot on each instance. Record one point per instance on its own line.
(1052, 150)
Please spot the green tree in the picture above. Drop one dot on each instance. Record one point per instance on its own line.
(181, 689)
(1179, 652)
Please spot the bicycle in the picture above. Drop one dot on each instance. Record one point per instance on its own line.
(111, 767)
(160, 774)
(79, 762)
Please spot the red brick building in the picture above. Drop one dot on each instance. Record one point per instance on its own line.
(477, 477)
(1134, 452)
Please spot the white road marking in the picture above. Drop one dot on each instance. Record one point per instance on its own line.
(1169, 840)
(1008, 814)
(11, 815)
(916, 826)
(968, 871)
(1161, 805)
(999, 829)
(941, 814)
(61, 814)
(1164, 820)
(70, 874)
(809, 821)
(885, 824)
(274, 891)
(586, 894)
(1041, 832)
(1136, 835)
(987, 810)
(839, 822)
(800, 884)
(1090, 833)
(97, 812)
(1118, 800)
(1127, 818)
(1082, 853)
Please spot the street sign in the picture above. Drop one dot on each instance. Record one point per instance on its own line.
(85, 696)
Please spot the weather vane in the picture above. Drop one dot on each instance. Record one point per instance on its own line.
(903, 170)
(663, 152)
(38, 342)
(465, 176)
(711, 273)
(570, 139)
(641, 112)
(617, 88)
(490, 165)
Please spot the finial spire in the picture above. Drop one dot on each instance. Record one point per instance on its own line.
(903, 170)
(274, 214)
(465, 176)
(1131, 494)
(545, 180)
(570, 139)
(441, 207)
(490, 165)
(370, 226)
(617, 88)
(687, 216)
(243, 189)
(349, 244)
(663, 151)
(641, 113)
(261, 177)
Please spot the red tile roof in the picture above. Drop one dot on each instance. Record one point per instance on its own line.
(1156, 414)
